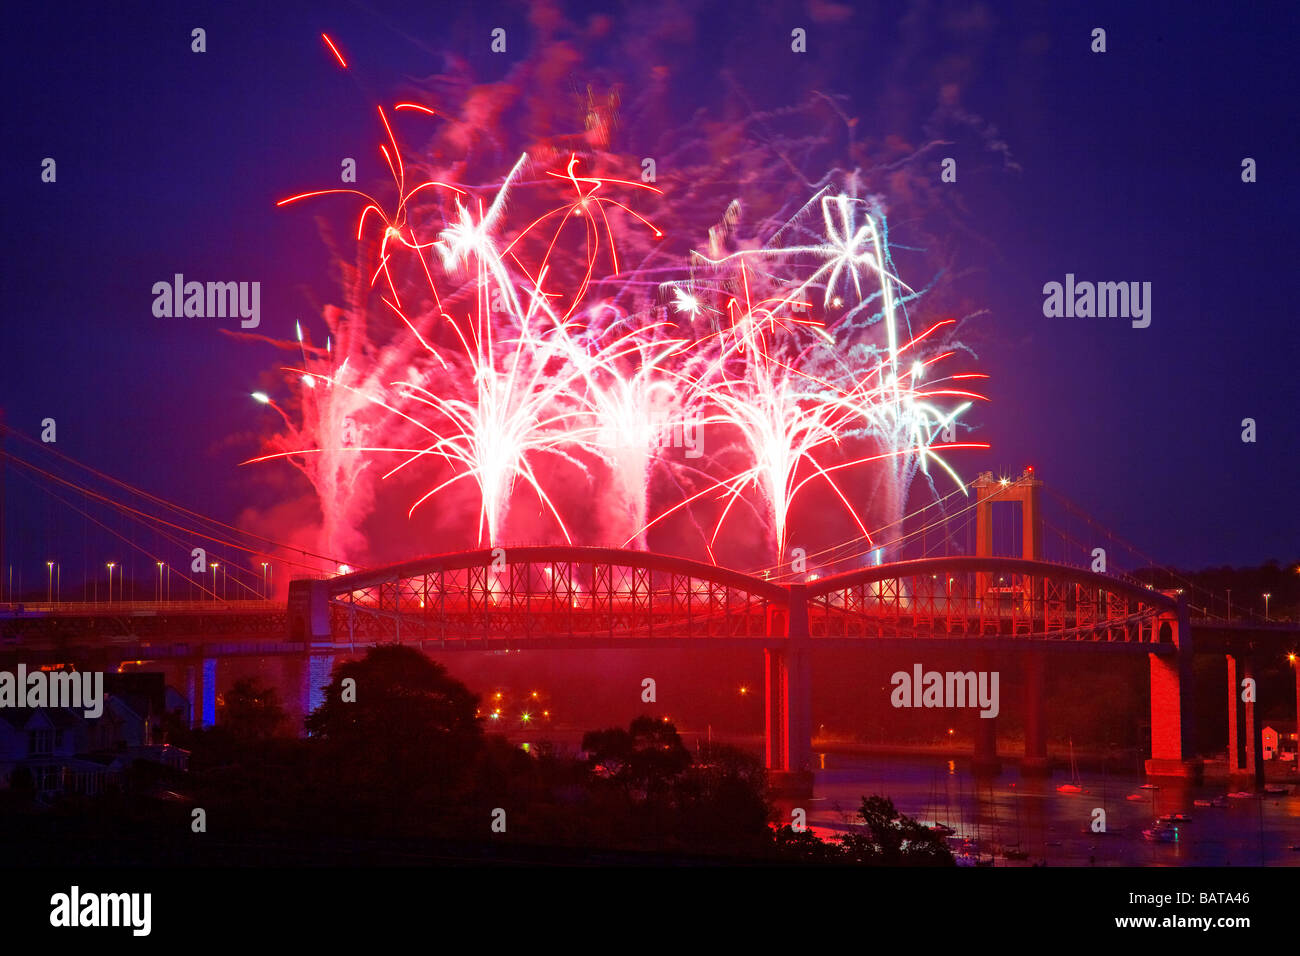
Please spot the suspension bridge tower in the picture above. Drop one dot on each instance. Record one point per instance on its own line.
(1026, 492)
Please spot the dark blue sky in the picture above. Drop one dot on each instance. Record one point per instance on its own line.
(1128, 170)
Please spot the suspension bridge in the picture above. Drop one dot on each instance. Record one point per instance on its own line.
(1062, 591)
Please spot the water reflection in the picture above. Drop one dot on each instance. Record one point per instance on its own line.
(1003, 814)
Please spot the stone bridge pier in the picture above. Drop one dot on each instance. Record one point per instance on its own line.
(1173, 743)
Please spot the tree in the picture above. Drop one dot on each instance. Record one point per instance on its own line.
(889, 838)
(647, 758)
(249, 712)
(403, 724)
(804, 846)
(723, 799)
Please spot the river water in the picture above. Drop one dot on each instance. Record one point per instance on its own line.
(1057, 828)
(989, 814)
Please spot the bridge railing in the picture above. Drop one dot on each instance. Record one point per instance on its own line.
(85, 608)
(1045, 604)
(550, 598)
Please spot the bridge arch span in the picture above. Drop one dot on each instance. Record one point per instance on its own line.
(557, 595)
(981, 596)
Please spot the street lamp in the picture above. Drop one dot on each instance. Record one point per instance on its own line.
(265, 595)
(111, 565)
(49, 595)
(214, 580)
(160, 576)
(1267, 595)
(1229, 605)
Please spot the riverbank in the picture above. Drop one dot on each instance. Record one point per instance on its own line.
(1010, 751)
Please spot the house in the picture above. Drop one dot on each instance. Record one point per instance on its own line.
(57, 751)
(1280, 740)
(39, 748)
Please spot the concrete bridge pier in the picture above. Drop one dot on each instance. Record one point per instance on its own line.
(788, 725)
(1254, 732)
(1173, 749)
(201, 688)
(1245, 728)
(1234, 726)
(986, 762)
(1035, 762)
(308, 673)
(787, 679)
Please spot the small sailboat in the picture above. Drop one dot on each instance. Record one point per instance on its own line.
(1163, 830)
(1161, 833)
(1012, 851)
(935, 825)
(1073, 786)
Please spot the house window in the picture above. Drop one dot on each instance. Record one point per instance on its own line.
(42, 742)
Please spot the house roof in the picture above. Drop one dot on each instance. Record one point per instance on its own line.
(23, 718)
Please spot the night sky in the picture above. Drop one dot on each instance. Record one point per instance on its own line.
(1122, 166)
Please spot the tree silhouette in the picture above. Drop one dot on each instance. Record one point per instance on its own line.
(889, 838)
(646, 759)
(250, 712)
(411, 727)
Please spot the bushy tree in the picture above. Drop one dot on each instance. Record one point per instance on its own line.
(645, 760)
(410, 727)
(249, 712)
(890, 838)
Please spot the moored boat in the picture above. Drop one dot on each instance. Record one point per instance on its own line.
(1161, 833)
(1074, 786)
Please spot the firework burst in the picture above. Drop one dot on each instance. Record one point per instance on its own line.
(516, 345)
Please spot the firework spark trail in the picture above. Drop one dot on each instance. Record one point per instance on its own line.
(787, 417)
(507, 359)
(633, 395)
(524, 400)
